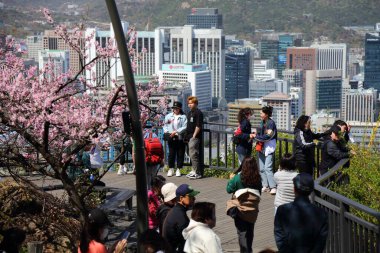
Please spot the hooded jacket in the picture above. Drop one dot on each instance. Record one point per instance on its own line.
(200, 238)
(304, 145)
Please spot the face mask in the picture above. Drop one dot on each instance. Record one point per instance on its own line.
(104, 234)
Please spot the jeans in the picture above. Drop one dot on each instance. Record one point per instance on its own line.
(194, 145)
(176, 151)
(266, 164)
(151, 171)
(242, 155)
(245, 234)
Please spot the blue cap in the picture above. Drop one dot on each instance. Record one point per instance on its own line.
(185, 189)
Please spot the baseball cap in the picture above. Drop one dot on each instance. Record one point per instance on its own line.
(304, 182)
(185, 189)
(99, 217)
(168, 191)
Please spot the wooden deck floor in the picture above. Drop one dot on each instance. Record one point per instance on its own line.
(214, 190)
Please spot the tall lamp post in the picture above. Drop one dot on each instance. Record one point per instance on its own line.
(141, 187)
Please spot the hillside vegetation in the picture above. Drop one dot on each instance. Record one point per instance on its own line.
(242, 17)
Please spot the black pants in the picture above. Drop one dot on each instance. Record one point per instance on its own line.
(245, 234)
(176, 150)
(304, 166)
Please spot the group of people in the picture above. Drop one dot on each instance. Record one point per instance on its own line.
(300, 226)
(181, 130)
(265, 138)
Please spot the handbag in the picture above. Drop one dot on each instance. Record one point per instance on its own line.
(259, 146)
(235, 138)
(246, 207)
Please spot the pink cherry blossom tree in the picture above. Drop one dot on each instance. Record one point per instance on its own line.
(47, 117)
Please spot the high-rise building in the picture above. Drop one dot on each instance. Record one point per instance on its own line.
(281, 104)
(52, 41)
(294, 77)
(173, 92)
(145, 47)
(332, 56)
(304, 58)
(237, 74)
(252, 103)
(296, 94)
(284, 42)
(205, 18)
(59, 60)
(372, 61)
(262, 70)
(269, 51)
(187, 45)
(259, 89)
(197, 75)
(105, 70)
(360, 105)
(323, 91)
(34, 44)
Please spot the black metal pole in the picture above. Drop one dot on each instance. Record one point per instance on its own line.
(141, 184)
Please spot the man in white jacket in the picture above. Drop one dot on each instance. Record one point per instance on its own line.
(199, 235)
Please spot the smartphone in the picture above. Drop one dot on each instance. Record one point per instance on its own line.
(125, 235)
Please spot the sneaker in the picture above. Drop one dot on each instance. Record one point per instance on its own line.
(170, 173)
(192, 173)
(265, 189)
(120, 171)
(125, 170)
(273, 191)
(195, 176)
(177, 173)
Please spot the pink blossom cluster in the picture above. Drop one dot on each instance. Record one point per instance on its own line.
(59, 111)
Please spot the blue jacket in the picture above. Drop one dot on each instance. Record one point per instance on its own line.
(169, 121)
(245, 145)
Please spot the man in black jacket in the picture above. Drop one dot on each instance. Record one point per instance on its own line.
(332, 151)
(177, 220)
(300, 226)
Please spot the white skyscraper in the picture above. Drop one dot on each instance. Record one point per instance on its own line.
(145, 47)
(263, 71)
(107, 70)
(281, 104)
(360, 105)
(34, 44)
(193, 46)
(198, 76)
(332, 56)
(59, 58)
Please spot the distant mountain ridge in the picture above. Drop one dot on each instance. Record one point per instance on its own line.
(314, 18)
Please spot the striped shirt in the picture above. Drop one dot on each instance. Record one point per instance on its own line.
(285, 187)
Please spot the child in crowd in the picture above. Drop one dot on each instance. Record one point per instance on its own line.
(154, 200)
(284, 180)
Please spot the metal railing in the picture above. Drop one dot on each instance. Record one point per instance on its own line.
(220, 152)
(347, 231)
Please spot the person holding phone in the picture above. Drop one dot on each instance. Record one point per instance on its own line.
(95, 232)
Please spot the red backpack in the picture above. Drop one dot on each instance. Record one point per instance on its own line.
(154, 152)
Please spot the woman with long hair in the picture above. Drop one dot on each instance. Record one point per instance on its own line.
(267, 136)
(95, 232)
(304, 145)
(246, 187)
(244, 146)
(174, 129)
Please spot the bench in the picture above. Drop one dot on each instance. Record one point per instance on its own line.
(117, 197)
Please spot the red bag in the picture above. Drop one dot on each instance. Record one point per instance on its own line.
(154, 152)
(259, 146)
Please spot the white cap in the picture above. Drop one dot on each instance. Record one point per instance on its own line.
(168, 191)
